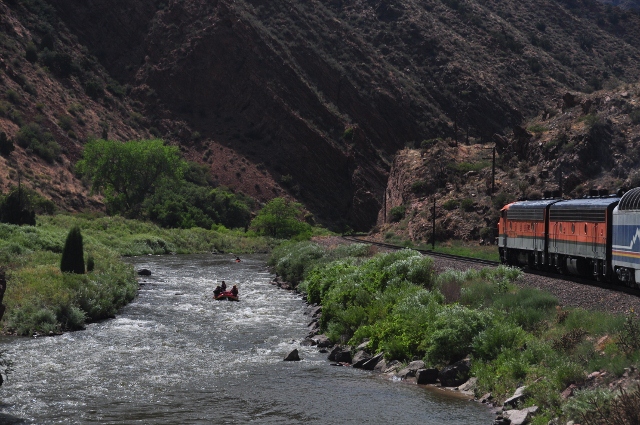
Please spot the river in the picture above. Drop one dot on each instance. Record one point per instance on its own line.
(175, 356)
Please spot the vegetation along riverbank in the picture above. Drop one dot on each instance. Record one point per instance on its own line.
(512, 337)
(40, 299)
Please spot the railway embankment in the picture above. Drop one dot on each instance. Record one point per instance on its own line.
(567, 350)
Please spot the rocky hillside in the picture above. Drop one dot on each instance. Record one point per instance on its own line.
(581, 143)
(309, 99)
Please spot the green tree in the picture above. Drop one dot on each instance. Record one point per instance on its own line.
(73, 253)
(279, 219)
(16, 208)
(129, 172)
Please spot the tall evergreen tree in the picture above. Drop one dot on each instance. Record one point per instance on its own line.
(73, 253)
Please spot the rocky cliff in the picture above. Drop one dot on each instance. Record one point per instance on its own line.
(310, 100)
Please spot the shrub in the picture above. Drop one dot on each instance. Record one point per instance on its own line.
(94, 89)
(500, 336)
(16, 208)
(502, 199)
(6, 145)
(635, 116)
(31, 52)
(39, 140)
(73, 253)
(419, 186)
(91, 263)
(450, 204)
(453, 332)
(397, 213)
(467, 204)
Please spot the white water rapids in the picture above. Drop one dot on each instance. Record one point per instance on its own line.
(175, 356)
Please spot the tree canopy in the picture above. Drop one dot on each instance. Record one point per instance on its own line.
(280, 219)
(129, 172)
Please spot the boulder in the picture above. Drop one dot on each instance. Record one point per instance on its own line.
(455, 374)
(468, 387)
(427, 376)
(381, 366)
(322, 341)
(307, 342)
(373, 362)
(292, 356)
(516, 397)
(313, 310)
(363, 346)
(392, 367)
(360, 358)
(410, 370)
(340, 354)
(144, 272)
(520, 417)
(486, 398)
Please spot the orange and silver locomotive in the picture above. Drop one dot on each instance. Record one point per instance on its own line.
(597, 236)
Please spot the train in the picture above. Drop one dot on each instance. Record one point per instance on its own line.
(597, 236)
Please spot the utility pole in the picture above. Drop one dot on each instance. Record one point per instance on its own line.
(493, 172)
(560, 181)
(433, 224)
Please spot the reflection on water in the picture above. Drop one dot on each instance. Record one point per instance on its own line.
(175, 356)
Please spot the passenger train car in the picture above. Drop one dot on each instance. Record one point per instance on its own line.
(597, 236)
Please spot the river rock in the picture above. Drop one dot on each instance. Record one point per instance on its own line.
(322, 341)
(393, 366)
(144, 272)
(372, 363)
(307, 342)
(468, 387)
(360, 358)
(313, 310)
(427, 376)
(380, 366)
(363, 346)
(340, 354)
(455, 374)
(520, 417)
(292, 356)
(516, 397)
(411, 369)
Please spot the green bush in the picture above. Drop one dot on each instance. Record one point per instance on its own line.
(397, 213)
(502, 199)
(16, 208)
(496, 338)
(292, 261)
(450, 204)
(467, 204)
(450, 336)
(73, 253)
(39, 140)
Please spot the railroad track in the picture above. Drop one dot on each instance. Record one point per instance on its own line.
(426, 252)
(542, 273)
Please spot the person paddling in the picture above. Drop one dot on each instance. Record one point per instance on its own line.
(234, 291)
(224, 286)
(217, 291)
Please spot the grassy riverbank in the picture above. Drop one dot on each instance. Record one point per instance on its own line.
(41, 299)
(514, 336)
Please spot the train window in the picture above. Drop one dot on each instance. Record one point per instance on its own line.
(560, 227)
(573, 228)
(511, 226)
